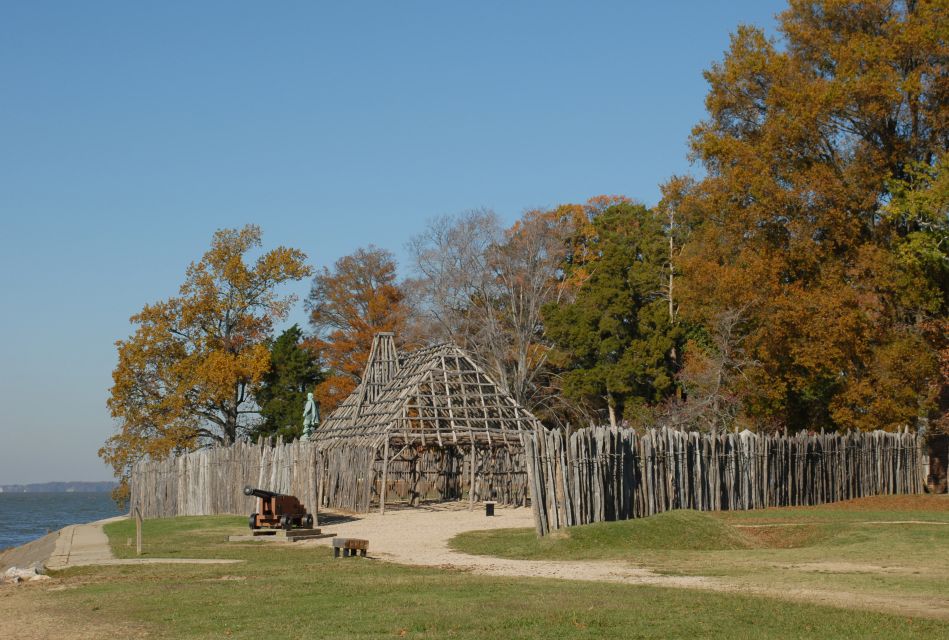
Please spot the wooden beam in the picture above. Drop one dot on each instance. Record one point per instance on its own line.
(385, 479)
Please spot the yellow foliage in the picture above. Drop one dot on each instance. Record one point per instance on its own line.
(188, 373)
(804, 146)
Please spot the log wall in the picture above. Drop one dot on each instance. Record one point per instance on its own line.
(603, 473)
(210, 481)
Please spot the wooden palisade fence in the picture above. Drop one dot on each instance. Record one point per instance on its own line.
(603, 473)
(427, 425)
(210, 481)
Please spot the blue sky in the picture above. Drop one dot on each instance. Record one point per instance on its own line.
(129, 132)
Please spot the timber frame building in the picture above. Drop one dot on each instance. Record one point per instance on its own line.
(429, 425)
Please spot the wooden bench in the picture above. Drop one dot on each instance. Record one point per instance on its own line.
(350, 546)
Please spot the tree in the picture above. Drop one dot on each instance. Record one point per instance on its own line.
(710, 377)
(483, 288)
(348, 306)
(294, 372)
(614, 340)
(453, 276)
(188, 374)
(807, 149)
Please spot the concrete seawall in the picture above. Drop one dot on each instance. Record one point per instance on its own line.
(33, 554)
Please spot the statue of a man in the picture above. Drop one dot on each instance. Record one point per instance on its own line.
(311, 416)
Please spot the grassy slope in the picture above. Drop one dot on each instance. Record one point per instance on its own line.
(684, 530)
(834, 547)
(303, 592)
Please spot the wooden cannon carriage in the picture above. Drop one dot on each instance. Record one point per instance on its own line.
(276, 510)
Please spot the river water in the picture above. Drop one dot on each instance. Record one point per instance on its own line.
(27, 516)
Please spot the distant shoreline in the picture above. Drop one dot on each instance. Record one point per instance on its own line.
(59, 487)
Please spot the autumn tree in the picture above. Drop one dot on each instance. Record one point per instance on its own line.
(348, 305)
(805, 220)
(188, 374)
(919, 204)
(294, 372)
(614, 340)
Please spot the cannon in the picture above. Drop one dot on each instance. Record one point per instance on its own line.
(277, 511)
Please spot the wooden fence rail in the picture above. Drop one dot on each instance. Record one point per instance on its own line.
(603, 473)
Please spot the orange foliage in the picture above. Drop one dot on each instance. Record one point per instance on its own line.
(574, 223)
(348, 306)
(189, 372)
(802, 147)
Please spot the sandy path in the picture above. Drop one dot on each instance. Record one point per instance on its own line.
(420, 537)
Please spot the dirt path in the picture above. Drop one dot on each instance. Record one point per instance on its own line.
(420, 537)
(813, 522)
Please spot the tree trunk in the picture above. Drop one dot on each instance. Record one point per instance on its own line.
(230, 425)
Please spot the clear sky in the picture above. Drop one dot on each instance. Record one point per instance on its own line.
(129, 132)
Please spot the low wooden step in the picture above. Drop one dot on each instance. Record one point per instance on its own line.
(289, 536)
(300, 534)
(283, 533)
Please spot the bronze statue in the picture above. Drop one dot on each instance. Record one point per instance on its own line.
(311, 416)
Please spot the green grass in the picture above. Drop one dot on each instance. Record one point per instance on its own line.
(857, 548)
(686, 530)
(192, 537)
(292, 591)
(864, 531)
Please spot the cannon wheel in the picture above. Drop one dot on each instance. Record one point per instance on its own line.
(286, 522)
(307, 521)
(252, 521)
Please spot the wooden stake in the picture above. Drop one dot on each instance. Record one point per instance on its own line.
(138, 531)
(385, 479)
(472, 487)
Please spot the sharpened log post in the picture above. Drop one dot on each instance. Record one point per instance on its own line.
(138, 530)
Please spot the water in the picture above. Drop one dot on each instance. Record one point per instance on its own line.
(28, 516)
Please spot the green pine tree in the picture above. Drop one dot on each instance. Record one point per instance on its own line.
(294, 371)
(614, 340)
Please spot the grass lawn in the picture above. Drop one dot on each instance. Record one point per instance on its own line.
(292, 591)
(874, 548)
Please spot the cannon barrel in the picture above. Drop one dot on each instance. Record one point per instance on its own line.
(260, 493)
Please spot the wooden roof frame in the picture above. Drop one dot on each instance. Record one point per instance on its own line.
(435, 396)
